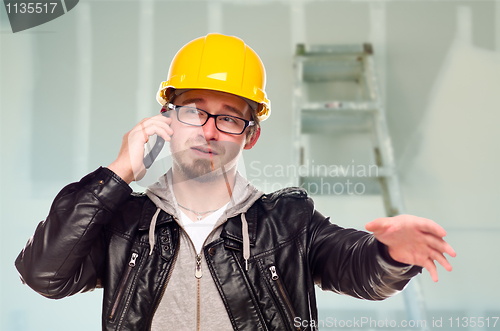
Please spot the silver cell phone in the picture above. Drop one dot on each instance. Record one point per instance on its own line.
(152, 154)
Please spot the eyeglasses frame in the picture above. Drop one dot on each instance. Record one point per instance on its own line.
(171, 106)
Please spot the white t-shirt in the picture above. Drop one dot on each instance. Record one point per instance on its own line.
(198, 231)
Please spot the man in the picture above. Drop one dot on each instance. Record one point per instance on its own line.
(202, 249)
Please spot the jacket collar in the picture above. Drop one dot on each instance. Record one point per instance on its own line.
(244, 196)
(232, 231)
(147, 214)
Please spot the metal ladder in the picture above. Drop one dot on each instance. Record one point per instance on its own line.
(337, 93)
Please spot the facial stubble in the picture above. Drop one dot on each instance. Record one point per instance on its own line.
(206, 169)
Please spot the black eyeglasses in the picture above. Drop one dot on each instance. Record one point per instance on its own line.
(198, 117)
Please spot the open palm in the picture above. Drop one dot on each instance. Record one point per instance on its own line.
(413, 240)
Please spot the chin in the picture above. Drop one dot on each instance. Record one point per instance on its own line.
(201, 170)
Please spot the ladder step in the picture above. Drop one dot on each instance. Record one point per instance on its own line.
(336, 123)
(311, 50)
(323, 108)
(343, 68)
(338, 117)
(339, 172)
(322, 63)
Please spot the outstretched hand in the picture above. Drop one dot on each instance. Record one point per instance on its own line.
(413, 240)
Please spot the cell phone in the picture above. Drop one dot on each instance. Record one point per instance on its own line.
(151, 156)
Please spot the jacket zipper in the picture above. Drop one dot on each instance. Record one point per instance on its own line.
(131, 265)
(198, 304)
(198, 274)
(275, 277)
(166, 281)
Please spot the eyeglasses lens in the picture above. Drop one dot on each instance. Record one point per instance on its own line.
(226, 123)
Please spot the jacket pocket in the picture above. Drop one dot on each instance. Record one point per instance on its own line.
(281, 293)
(123, 285)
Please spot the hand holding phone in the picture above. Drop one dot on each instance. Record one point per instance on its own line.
(131, 163)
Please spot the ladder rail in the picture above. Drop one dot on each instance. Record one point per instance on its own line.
(296, 118)
(380, 137)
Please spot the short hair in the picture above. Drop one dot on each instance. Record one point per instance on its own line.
(254, 128)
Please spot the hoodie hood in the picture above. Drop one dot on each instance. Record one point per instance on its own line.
(242, 198)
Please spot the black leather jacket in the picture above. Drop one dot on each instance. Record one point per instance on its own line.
(96, 235)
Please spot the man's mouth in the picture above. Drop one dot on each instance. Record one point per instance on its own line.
(205, 150)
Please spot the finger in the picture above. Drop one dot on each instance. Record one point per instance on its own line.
(138, 134)
(449, 250)
(162, 118)
(157, 118)
(440, 245)
(163, 130)
(162, 133)
(156, 126)
(376, 225)
(160, 121)
(429, 226)
(441, 259)
(431, 268)
(371, 226)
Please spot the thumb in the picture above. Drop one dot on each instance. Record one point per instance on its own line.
(375, 225)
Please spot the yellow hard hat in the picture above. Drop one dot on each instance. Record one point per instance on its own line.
(221, 63)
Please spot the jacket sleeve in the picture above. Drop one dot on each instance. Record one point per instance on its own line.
(66, 253)
(355, 263)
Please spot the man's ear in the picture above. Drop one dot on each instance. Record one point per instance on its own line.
(253, 140)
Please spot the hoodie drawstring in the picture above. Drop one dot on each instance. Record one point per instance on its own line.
(244, 230)
(152, 226)
(246, 240)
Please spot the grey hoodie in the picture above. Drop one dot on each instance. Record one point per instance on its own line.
(191, 303)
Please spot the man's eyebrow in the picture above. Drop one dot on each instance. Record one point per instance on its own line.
(193, 100)
(225, 106)
(230, 108)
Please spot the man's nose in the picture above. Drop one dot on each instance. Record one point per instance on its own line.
(210, 130)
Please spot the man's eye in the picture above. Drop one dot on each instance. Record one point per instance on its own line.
(192, 111)
(228, 119)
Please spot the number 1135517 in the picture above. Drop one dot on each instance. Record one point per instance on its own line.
(30, 8)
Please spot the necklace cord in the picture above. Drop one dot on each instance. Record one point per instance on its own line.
(198, 213)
